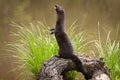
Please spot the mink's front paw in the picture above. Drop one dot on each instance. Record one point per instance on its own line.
(52, 31)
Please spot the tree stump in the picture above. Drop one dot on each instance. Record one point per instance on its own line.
(55, 68)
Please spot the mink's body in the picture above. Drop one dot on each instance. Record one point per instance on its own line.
(65, 46)
(64, 43)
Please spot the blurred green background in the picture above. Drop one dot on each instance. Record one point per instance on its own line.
(88, 14)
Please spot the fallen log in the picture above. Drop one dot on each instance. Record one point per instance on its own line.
(55, 68)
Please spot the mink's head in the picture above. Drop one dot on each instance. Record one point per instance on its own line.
(59, 10)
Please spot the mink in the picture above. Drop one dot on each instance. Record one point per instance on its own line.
(66, 49)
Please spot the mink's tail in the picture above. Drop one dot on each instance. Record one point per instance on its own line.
(78, 63)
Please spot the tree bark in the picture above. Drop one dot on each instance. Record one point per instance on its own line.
(55, 68)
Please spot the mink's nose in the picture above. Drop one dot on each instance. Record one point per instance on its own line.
(58, 8)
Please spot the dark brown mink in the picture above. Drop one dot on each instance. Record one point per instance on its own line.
(66, 49)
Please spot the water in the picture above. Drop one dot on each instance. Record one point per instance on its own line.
(88, 13)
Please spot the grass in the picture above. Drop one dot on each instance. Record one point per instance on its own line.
(79, 41)
(35, 45)
(110, 51)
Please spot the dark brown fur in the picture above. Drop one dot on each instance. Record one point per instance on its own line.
(65, 46)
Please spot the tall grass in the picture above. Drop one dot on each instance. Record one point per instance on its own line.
(79, 41)
(35, 45)
(110, 51)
